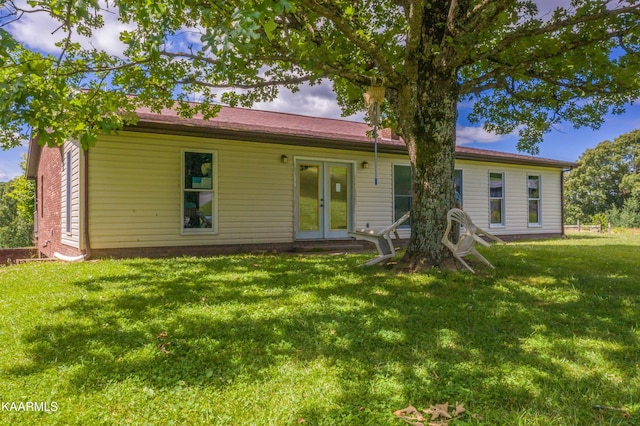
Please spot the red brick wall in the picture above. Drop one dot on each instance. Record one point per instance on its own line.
(49, 187)
(10, 255)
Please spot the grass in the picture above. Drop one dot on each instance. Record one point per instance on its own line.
(279, 340)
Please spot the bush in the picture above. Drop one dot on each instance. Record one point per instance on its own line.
(628, 216)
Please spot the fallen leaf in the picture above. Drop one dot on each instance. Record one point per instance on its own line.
(439, 410)
(301, 420)
(405, 411)
(459, 409)
(163, 348)
(410, 415)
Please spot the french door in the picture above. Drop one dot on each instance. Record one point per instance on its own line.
(323, 199)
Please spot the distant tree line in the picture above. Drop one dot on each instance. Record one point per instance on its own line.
(16, 212)
(605, 187)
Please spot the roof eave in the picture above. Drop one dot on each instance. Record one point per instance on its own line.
(149, 125)
(533, 161)
(33, 158)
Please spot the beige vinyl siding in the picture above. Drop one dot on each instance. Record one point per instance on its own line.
(135, 190)
(476, 197)
(374, 204)
(70, 237)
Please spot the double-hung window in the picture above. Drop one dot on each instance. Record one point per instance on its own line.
(534, 198)
(496, 199)
(457, 182)
(402, 192)
(198, 191)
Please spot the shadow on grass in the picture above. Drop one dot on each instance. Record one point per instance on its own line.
(549, 333)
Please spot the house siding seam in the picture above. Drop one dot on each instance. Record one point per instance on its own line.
(49, 202)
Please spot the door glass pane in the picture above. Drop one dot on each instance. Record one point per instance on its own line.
(339, 187)
(309, 197)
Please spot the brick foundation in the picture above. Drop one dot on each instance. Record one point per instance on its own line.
(11, 255)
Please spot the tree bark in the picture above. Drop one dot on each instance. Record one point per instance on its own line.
(428, 125)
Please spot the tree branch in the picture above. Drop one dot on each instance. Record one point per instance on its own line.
(551, 27)
(371, 49)
(258, 85)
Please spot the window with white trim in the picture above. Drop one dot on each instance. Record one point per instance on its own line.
(496, 199)
(198, 191)
(402, 192)
(534, 198)
(457, 183)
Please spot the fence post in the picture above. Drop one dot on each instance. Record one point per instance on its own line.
(578, 227)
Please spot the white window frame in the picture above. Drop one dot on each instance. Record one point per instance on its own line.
(213, 190)
(538, 199)
(502, 223)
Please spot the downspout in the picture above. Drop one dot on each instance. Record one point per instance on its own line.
(85, 215)
(85, 206)
(562, 172)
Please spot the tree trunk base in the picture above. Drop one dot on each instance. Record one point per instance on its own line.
(423, 265)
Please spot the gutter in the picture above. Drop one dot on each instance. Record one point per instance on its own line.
(85, 204)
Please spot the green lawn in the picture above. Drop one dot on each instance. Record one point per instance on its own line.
(288, 340)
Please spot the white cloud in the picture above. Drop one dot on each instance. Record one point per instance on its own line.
(40, 32)
(469, 134)
(317, 101)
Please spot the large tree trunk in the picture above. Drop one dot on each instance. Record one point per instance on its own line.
(428, 124)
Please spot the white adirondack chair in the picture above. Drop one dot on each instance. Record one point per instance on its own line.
(382, 240)
(469, 236)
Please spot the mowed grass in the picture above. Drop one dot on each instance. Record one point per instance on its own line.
(543, 339)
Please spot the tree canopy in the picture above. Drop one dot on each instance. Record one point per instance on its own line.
(606, 179)
(16, 212)
(523, 71)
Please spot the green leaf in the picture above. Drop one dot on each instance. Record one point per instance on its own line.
(269, 27)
